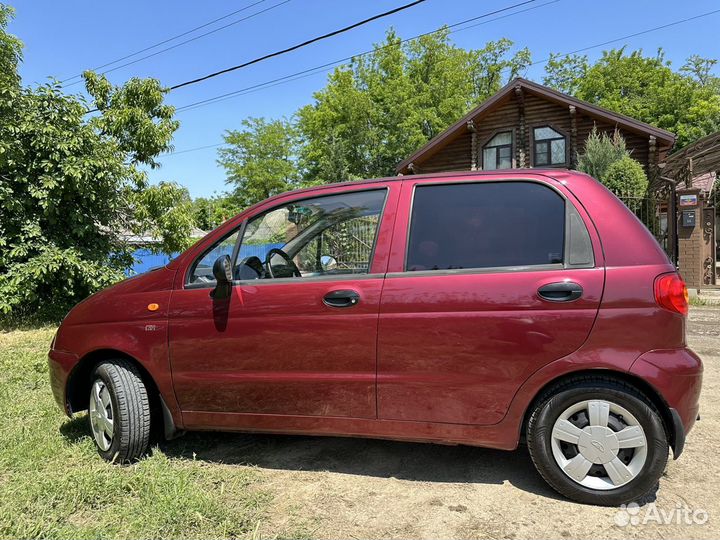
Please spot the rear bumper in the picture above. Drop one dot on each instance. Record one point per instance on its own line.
(677, 376)
(60, 363)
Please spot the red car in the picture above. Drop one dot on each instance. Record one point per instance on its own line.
(463, 308)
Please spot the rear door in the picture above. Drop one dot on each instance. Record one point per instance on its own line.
(487, 282)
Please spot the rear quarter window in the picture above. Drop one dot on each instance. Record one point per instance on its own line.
(485, 225)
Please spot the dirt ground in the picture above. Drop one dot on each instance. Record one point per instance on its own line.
(354, 488)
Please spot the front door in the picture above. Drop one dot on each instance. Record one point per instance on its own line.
(298, 333)
(488, 281)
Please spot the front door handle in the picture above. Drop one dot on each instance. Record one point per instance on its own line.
(341, 299)
(564, 291)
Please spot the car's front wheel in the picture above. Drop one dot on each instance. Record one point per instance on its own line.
(598, 441)
(119, 411)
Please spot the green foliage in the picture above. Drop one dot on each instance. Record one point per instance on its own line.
(607, 159)
(71, 189)
(601, 151)
(626, 177)
(10, 54)
(165, 210)
(700, 69)
(565, 73)
(381, 107)
(685, 102)
(210, 212)
(134, 116)
(260, 160)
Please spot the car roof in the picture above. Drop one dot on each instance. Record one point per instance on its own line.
(551, 173)
(554, 173)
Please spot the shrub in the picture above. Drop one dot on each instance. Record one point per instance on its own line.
(601, 151)
(626, 177)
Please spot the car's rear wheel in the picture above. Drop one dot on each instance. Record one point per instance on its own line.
(598, 441)
(119, 411)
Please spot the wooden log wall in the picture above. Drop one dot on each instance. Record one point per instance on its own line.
(520, 112)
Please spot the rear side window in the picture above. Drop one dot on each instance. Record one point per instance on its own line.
(485, 225)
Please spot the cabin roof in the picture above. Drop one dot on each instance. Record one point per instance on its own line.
(664, 138)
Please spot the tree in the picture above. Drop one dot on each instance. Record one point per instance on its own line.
(381, 107)
(165, 212)
(260, 160)
(71, 186)
(565, 72)
(700, 69)
(211, 212)
(10, 54)
(601, 151)
(686, 102)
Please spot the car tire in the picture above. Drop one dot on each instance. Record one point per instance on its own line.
(565, 435)
(119, 411)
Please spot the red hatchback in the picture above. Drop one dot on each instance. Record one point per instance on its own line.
(467, 308)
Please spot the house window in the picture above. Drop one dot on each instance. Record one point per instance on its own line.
(497, 153)
(549, 147)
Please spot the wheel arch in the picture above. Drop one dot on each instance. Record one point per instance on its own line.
(641, 385)
(78, 383)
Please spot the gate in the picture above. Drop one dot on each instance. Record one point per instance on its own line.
(711, 265)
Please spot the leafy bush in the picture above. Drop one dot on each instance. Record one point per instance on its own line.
(607, 159)
(71, 185)
(601, 151)
(626, 177)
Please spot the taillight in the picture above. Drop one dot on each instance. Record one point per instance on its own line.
(671, 293)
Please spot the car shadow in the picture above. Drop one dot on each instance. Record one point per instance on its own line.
(420, 462)
(75, 429)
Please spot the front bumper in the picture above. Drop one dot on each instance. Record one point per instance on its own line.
(60, 364)
(676, 374)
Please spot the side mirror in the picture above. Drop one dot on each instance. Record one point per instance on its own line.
(328, 263)
(222, 270)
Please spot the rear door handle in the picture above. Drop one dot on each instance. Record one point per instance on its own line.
(341, 299)
(564, 291)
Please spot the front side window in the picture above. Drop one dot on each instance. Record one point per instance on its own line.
(202, 269)
(549, 147)
(485, 225)
(497, 153)
(314, 237)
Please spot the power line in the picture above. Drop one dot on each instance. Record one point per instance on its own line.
(298, 46)
(642, 32)
(168, 40)
(327, 66)
(324, 67)
(187, 41)
(306, 72)
(257, 87)
(193, 149)
(294, 47)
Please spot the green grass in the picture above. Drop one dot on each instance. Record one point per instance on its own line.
(53, 484)
(700, 301)
(697, 301)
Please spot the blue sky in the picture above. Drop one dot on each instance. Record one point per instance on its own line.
(63, 38)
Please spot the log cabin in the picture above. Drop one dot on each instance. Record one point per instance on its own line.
(527, 125)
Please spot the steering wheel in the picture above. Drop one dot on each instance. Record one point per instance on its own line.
(290, 264)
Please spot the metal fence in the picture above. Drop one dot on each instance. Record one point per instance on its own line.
(351, 242)
(648, 210)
